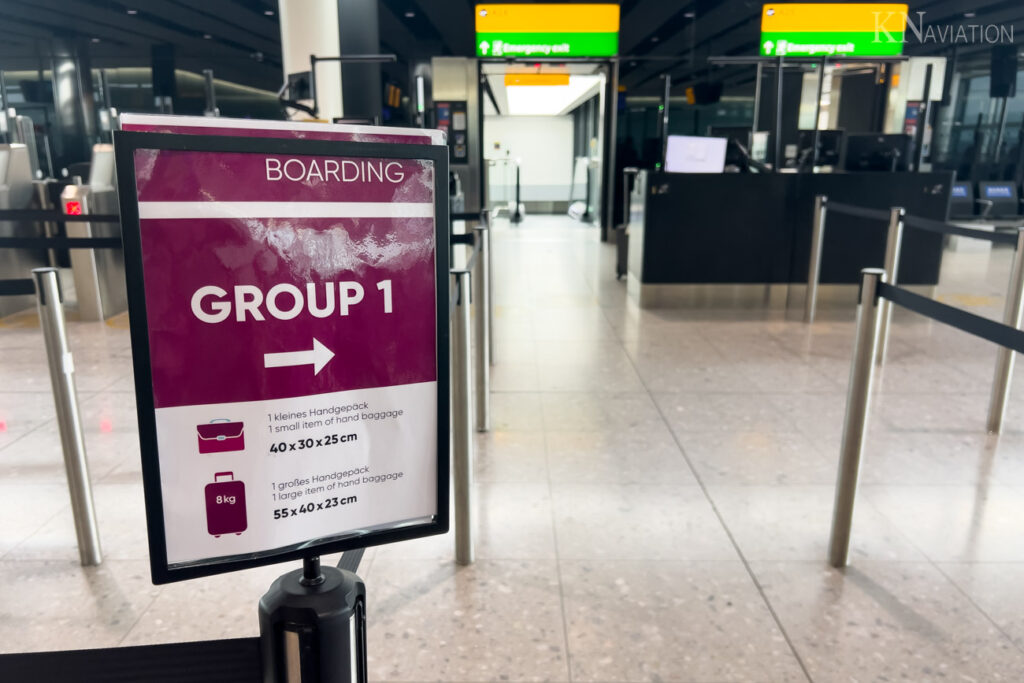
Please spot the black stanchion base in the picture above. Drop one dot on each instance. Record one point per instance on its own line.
(313, 628)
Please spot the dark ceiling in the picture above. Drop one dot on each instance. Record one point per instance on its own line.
(235, 38)
(240, 40)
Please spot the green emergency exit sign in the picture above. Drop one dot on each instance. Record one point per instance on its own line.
(559, 30)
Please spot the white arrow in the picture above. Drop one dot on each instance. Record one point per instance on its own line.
(483, 46)
(318, 357)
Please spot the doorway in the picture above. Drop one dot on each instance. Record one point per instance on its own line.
(545, 123)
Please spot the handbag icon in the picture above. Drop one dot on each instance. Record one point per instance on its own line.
(221, 436)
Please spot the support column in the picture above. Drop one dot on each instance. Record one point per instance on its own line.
(165, 89)
(358, 33)
(611, 128)
(73, 102)
(310, 27)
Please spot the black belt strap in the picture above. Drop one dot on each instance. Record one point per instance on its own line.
(60, 242)
(858, 211)
(17, 287)
(57, 216)
(962, 320)
(947, 229)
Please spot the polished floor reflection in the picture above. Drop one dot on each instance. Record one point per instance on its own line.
(653, 501)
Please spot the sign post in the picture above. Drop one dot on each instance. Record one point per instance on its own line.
(290, 343)
(289, 318)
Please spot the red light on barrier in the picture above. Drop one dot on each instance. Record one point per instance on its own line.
(73, 208)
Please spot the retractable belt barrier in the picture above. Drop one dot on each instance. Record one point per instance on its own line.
(235, 660)
(874, 289)
(19, 287)
(897, 219)
(950, 229)
(22, 286)
(60, 243)
(49, 216)
(859, 211)
(971, 323)
(212, 661)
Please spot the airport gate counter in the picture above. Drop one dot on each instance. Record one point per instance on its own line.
(713, 238)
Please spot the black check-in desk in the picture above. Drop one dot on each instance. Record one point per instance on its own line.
(739, 239)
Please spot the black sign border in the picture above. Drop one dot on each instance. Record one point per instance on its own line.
(125, 145)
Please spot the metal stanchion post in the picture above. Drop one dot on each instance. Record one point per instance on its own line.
(313, 626)
(1012, 316)
(814, 267)
(517, 216)
(462, 422)
(69, 421)
(490, 303)
(482, 358)
(893, 245)
(858, 399)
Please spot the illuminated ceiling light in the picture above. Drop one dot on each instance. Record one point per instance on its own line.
(207, 36)
(410, 15)
(654, 39)
(689, 15)
(133, 11)
(969, 15)
(547, 100)
(269, 12)
(95, 40)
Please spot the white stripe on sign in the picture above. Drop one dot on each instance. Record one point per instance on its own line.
(286, 210)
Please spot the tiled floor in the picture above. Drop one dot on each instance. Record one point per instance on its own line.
(653, 500)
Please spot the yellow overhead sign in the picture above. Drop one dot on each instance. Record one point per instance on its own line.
(547, 18)
(549, 31)
(828, 30)
(536, 79)
(855, 17)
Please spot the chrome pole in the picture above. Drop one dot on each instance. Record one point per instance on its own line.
(1012, 316)
(462, 421)
(858, 399)
(893, 244)
(481, 307)
(69, 421)
(490, 287)
(814, 268)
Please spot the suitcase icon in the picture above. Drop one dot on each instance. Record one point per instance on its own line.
(225, 505)
(221, 436)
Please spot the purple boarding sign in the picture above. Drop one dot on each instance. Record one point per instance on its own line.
(288, 301)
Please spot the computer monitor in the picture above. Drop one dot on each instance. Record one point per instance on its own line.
(830, 146)
(689, 154)
(878, 152)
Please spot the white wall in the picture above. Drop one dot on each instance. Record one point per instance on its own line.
(544, 145)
